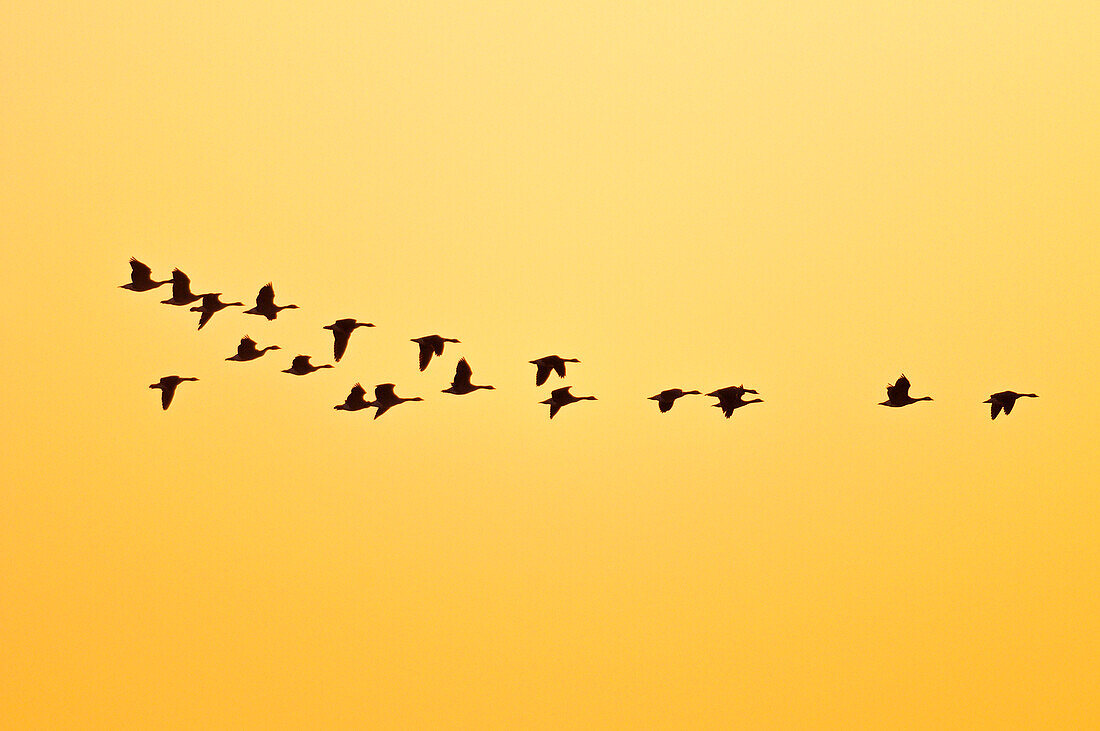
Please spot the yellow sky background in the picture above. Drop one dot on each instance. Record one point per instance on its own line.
(807, 197)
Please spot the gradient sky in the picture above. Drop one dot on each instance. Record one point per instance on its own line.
(806, 197)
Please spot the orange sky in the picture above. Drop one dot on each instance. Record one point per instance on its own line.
(809, 198)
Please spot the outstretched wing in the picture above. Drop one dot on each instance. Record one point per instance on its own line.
(665, 404)
(426, 351)
(339, 343)
(1007, 405)
(559, 368)
(463, 372)
(995, 408)
(167, 391)
(899, 391)
(181, 285)
(542, 373)
(139, 272)
(266, 298)
(438, 345)
(554, 408)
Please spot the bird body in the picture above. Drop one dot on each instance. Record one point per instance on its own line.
(212, 303)
(431, 345)
(341, 333)
(385, 398)
(897, 395)
(167, 386)
(354, 400)
(731, 398)
(1005, 400)
(247, 350)
(461, 384)
(141, 279)
(561, 397)
(301, 366)
(549, 363)
(265, 303)
(665, 399)
(181, 290)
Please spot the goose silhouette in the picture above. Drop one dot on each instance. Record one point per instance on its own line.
(898, 394)
(431, 345)
(141, 278)
(731, 398)
(265, 303)
(354, 400)
(167, 386)
(301, 366)
(385, 399)
(549, 363)
(1005, 400)
(181, 290)
(247, 350)
(211, 304)
(461, 384)
(341, 333)
(665, 399)
(561, 397)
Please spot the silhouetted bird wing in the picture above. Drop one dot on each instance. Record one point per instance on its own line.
(181, 285)
(167, 391)
(559, 367)
(383, 392)
(426, 352)
(995, 408)
(1007, 405)
(340, 342)
(463, 372)
(265, 299)
(665, 404)
(899, 391)
(554, 408)
(357, 391)
(300, 362)
(542, 373)
(139, 272)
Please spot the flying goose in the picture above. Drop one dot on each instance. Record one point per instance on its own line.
(665, 399)
(265, 303)
(301, 366)
(733, 397)
(561, 397)
(354, 400)
(549, 363)
(247, 350)
(210, 305)
(167, 386)
(181, 290)
(341, 332)
(429, 345)
(141, 279)
(898, 394)
(461, 384)
(385, 398)
(1005, 400)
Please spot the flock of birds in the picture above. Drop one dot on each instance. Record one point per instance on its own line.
(729, 398)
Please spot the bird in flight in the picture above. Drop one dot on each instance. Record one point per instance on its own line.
(733, 397)
(898, 394)
(181, 290)
(561, 397)
(549, 363)
(461, 384)
(341, 333)
(211, 304)
(265, 303)
(167, 386)
(431, 345)
(665, 399)
(247, 350)
(1005, 400)
(301, 366)
(141, 279)
(385, 399)
(354, 400)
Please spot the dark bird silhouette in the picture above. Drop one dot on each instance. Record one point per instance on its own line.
(431, 345)
(561, 397)
(461, 384)
(211, 304)
(341, 333)
(733, 397)
(167, 386)
(665, 399)
(385, 398)
(247, 350)
(265, 303)
(549, 363)
(355, 400)
(301, 366)
(898, 394)
(181, 290)
(1005, 400)
(141, 278)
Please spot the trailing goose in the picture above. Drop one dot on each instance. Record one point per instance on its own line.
(341, 333)
(211, 304)
(1005, 400)
(247, 350)
(301, 366)
(385, 398)
(461, 384)
(665, 399)
(181, 290)
(561, 397)
(354, 400)
(431, 345)
(141, 278)
(265, 303)
(167, 386)
(898, 394)
(732, 398)
(549, 363)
